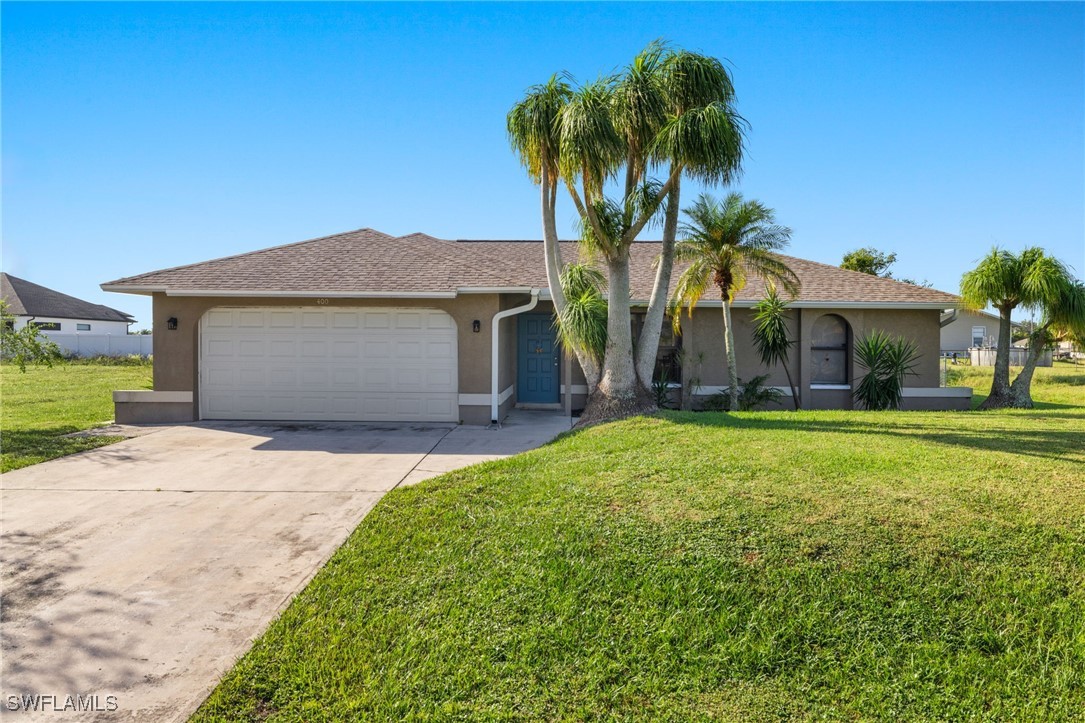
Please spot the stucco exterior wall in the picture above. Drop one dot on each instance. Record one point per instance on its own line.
(702, 344)
(177, 351)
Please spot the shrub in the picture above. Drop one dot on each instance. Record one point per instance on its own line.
(887, 361)
(752, 395)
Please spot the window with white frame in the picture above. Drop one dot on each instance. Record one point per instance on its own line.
(979, 336)
(82, 327)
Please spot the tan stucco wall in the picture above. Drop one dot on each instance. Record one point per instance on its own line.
(918, 325)
(702, 342)
(177, 352)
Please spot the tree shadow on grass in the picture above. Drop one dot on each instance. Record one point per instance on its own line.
(998, 437)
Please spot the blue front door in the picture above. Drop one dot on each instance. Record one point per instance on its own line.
(537, 360)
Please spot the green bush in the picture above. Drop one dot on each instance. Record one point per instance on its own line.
(887, 361)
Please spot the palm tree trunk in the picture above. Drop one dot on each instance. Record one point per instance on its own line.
(791, 385)
(648, 344)
(729, 350)
(619, 393)
(1021, 389)
(619, 380)
(1000, 386)
(552, 254)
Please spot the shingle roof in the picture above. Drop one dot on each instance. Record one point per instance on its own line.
(25, 298)
(357, 261)
(370, 262)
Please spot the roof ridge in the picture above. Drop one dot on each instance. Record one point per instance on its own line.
(248, 253)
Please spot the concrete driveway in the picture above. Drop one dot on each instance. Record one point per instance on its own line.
(144, 569)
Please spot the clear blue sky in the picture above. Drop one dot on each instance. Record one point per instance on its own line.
(137, 137)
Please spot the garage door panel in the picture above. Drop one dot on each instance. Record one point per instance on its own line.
(324, 364)
(282, 319)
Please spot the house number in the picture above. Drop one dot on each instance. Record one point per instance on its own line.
(322, 302)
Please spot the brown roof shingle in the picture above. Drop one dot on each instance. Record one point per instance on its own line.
(370, 262)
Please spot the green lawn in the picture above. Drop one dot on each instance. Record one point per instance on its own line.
(42, 405)
(1057, 386)
(746, 567)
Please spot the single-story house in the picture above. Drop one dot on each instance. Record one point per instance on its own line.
(364, 326)
(56, 313)
(966, 329)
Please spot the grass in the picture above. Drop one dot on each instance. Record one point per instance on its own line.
(1062, 384)
(42, 405)
(747, 567)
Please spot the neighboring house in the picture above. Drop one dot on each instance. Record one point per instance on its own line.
(58, 315)
(969, 329)
(363, 326)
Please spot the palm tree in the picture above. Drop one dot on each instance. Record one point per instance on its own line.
(1006, 281)
(533, 130)
(723, 243)
(668, 109)
(1063, 317)
(770, 335)
(703, 140)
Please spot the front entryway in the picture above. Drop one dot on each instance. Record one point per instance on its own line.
(538, 360)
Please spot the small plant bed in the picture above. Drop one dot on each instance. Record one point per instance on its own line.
(44, 404)
(745, 566)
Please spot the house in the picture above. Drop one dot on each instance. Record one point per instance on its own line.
(968, 329)
(363, 326)
(64, 319)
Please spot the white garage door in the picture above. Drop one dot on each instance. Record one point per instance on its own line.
(342, 364)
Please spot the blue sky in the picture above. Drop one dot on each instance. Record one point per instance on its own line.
(140, 136)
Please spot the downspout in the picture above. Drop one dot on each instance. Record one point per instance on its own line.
(495, 335)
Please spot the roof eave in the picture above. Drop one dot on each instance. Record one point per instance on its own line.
(747, 304)
(257, 293)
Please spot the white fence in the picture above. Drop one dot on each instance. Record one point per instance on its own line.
(986, 357)
(103, 344)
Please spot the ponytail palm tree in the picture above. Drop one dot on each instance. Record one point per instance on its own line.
(1063, 316)
(668, 110)
(724, 242)
(534, 133)
(1006, 281)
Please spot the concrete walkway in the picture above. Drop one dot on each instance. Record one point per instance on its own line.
(144, 569)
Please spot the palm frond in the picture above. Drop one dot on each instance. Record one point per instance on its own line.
(591, 145)
(707, 141)
(582, 324)
(532, 125)
(693, 80)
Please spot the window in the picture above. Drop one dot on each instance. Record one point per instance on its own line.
(979, 335)
(82, 327)
(47, 325)
(829, 351)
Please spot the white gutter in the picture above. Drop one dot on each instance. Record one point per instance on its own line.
(948, 319)
(495, 334)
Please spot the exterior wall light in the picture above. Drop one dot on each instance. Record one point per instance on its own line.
(476, 326)
(171, 323)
